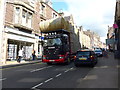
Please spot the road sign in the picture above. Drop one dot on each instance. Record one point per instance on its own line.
(110, 41)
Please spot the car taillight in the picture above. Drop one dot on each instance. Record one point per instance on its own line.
(44, 57)
(74, 57)
(91, 57)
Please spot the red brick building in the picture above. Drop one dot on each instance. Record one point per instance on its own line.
(21, 27)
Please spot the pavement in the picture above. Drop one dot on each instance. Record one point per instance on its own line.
(15, 63)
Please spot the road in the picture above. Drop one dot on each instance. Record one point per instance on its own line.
(41, 75)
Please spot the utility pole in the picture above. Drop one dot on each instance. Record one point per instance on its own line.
(2, 18)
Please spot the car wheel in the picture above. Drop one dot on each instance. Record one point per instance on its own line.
(76, 65)
(92, 64)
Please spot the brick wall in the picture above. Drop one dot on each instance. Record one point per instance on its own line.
(9, 13)
(36, 18)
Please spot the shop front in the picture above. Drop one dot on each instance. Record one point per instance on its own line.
(16, 40)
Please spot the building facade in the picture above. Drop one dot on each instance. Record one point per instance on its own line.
(2, 16)
(117, 29)
(84, 39)
(21, 29)
(111, 36)
(89, 39)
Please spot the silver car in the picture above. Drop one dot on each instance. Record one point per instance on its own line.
(98, 52)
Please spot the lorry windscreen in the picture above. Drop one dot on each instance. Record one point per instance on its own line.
(52, 42)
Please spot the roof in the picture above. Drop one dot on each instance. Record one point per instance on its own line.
(85, 50)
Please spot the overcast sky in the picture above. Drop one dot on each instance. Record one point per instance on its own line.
(95, 15)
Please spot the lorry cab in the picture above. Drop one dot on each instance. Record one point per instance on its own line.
(56, 48)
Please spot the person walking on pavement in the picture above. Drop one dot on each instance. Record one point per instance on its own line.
(19, 55)
(33, 55)
(105, 54)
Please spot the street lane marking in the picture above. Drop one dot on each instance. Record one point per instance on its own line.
(3, 79)
(37, 85)
(59, 75)
(71, 68)
(48, 80)
(40, 69)
(118, 66)
(66, 71)
(42, 83)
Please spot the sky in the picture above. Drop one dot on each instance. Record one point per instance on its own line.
(94, 15)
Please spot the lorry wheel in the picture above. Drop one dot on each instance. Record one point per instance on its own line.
(49, 63)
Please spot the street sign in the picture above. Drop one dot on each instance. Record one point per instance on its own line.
(110, 41)
(40, 37)
(115, 26)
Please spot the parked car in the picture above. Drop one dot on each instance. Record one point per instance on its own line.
(85, 57)
(98, 52)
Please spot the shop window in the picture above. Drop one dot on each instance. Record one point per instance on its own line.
(12, 51)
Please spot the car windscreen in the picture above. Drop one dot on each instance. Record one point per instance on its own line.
(83, 53)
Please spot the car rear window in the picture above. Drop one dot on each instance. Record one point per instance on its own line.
(98, 51)
(83, 53)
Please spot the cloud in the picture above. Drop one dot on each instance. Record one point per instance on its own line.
(95, 15)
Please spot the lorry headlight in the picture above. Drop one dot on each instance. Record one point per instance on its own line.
(61, 57)
(44, 57)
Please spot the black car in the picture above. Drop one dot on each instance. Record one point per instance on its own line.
(85, 57)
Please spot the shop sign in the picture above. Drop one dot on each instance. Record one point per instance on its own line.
(40, 37)
(115, 26)
(20, 38)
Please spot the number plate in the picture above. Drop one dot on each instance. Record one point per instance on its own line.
(51, 60)
(82, 58)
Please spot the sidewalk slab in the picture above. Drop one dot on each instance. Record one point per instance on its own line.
(103, 75)
(15, 63)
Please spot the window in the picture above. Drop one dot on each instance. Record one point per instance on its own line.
(17, 14)
(24, 17)
(29, 20)
(54, 15)
(83, 53)
(32, 2)
(52, 42)
(42, 12)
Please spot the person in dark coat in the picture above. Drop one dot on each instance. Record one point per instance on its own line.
(33, 55)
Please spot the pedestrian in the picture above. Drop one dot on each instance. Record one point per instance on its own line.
(20, 52)
(105, 54)
(33, 55)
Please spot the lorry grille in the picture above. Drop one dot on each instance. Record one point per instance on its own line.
(52, 57)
